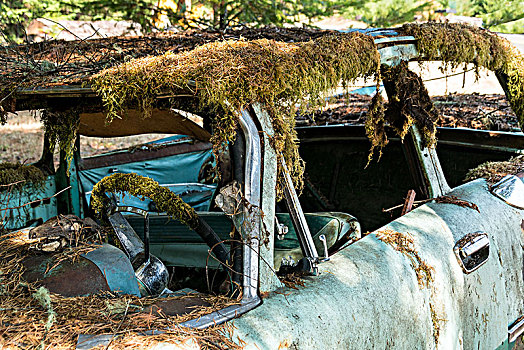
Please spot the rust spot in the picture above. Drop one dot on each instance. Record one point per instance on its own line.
(175, 307)
(68, 279)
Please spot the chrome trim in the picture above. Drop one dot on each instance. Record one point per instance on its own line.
(224, 315)
(470, 245)
(322, 238)
(86, 341)
(511, 190)
(516, 329)
(128, 238)
(130, 209)
(299, 220)
(251, 225)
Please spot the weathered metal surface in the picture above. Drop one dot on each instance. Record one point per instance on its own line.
(67, 278)
(16, 214)
(368, 295)
(116, 268)
(268, 280)
(428, 164)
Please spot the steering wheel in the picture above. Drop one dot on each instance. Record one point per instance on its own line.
(165, 200)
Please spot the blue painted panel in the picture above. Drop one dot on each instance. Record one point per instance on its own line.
(116, 268)
(177, 172)
(178, 168)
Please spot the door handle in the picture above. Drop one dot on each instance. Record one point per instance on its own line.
(472, 251)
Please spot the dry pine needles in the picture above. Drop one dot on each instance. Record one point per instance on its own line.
(31, 317)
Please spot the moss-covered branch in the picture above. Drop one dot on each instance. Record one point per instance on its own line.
(144, 187)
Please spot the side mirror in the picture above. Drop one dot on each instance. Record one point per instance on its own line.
(511, 190)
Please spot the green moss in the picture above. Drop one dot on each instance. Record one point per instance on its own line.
(495, 171)
(144, 187)
(61, 128)
(409, 103)
(376, 125)
(229, 75)
(457, 44)
(18, 174)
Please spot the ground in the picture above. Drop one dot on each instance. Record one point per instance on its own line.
(21, 139)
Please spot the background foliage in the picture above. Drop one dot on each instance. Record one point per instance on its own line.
(15, 15)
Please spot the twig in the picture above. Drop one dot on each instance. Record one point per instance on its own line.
(415, 203)
(440, 199)
(36, 201)
(119, 325)
(12, 184)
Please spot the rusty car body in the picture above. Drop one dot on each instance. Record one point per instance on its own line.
(361, 291)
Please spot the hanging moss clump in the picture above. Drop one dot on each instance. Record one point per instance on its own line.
(376, 125)
(144, 187)
(409, 103)
(229, 75)
(15, 175)
(457, 44)
(61, 127)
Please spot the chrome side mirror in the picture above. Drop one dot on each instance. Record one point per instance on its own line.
(511, 190)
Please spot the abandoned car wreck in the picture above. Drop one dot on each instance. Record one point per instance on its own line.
(200, 239)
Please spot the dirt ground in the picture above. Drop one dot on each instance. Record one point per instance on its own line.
(21, 139)
(488, 112)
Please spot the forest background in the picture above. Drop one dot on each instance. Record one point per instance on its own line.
(506, 16)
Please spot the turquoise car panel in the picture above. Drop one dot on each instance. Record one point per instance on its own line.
(177, 172)
(366, 286)
(178, 245)
(19, 213)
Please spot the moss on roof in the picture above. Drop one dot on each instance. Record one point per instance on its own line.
(229, 75)
(289, 74)
(457, 44)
